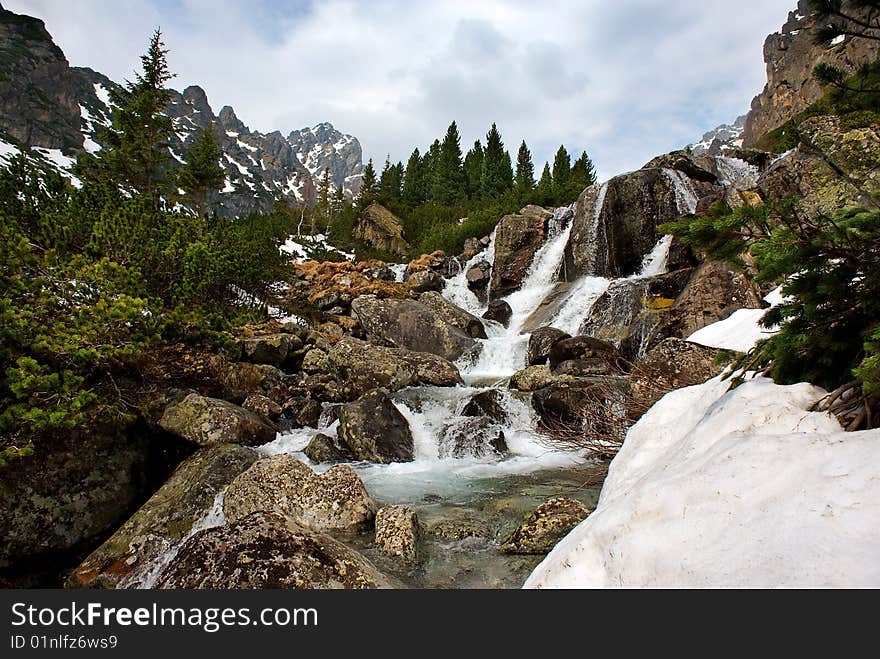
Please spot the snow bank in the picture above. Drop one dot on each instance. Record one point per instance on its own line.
(716, 489)
(740, 331)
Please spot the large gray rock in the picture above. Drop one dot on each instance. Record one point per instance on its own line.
(455, 316)
(426, 280)
(489, 403)
(410, 325)
(398, 532)
(606, 358)
(333, 501)
(272, 349)
(267, 550)
(126, 558)
(477, 437)
(324, 448)
(563, 403)
(382, 229)
(362, 367)
(499, 311)
(673, 364)
(374, 430)
(207, 421)
(518, 237)
(542, 341)
(550, 522)
(478, 278)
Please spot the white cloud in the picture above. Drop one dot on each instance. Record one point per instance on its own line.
(625, 81)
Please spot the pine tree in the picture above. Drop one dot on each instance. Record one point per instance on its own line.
(561, 175)
(448, 182)
(544, 192)
(525, 171)
(323, 210)
(497, 173)
(413, 180)
(429, 170)
(390, 182)
(137, 143)
(369, 186)
(473, 169)
(583, 171)
(202, 172)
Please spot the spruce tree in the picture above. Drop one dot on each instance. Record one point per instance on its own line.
(525, 171)
(429, 170)
(473, 169)
(544, 192)
(448, 183)
(369, 186)
(413, 180)
(561, 174)
(202, 172)
(389, 182)
(497, 173)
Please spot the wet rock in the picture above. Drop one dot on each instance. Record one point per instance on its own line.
(518, 237)
(323, 448)
(563, 403)
(551, 522)
(425, 281)
(362, 367)
(458, 529)
(604, 357)
(478, 277)
(125, 560)
(409, 325)
(473, 438)
(266, 550)
(206, 421)
(333, 501)
(472, 247)
(272, 349)
(499, 311)
(301, 412)
(397, 533)
(532, 378)
(489, 404)
(374, 430)
(262, 406)
(541, 342)
(455, 316)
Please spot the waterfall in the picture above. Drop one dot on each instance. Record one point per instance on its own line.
(737, 174)
(685, 196)
(457, 291)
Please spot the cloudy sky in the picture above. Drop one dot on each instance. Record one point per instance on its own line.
(624, 80)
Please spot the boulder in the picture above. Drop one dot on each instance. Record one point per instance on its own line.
(518, 237)
(238, 380)
(301, 412)
(397, 533)
(168, 517)
(362, 367)
(532, 378)
(541, 342)
(382, 229)
(455, 316)
(478, 277)
(410, 325)
(604, 357)
(266, 550)
(333, 501)
(262, 406)
(550, 522)
(315, 361)
(426, 280)
(489, 403)
(207, 421)
(563, 403)
(272, 349)
(473, 438)
(673, 364)
(323, 448)
(374, 430)
(499, 311)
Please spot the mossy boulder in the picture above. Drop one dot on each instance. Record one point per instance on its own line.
(398, 532)
(550, 522)
(373, 429)
(208, 421)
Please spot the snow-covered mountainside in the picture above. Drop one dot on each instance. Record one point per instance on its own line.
(743, 488)
(724, 138)
(47, 104)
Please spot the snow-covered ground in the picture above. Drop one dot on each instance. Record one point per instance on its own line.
(740, 331)
(731, 489)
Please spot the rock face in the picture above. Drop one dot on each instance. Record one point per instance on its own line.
(453, 315)
(615, 224)
(167, 518)
(397, 533)
(373, 429)
(207, 421)
(791, 55)
(723, 139)
(551, 522)
(409, 325)
(333, 501)
(267, 550)
(362, 367)
(382, 229)
(541, 342)
(518, 237)
(59, 499)
(426, 280)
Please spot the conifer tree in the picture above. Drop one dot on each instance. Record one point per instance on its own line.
(323, 210)
(525, 171)
(413, 180)
(497, 173)
(561, 174)
(473, 169)
(369, 186)
(202, 172)
(583, 172)
(544, 192)
(429, 170)
(448, 183)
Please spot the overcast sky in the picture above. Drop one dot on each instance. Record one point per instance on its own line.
(624, 80)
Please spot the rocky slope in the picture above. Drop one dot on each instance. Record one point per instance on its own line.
(791, 57)
(46, 103)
